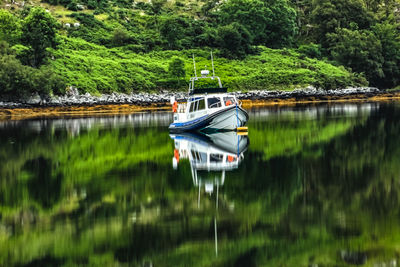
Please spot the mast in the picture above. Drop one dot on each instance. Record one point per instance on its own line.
(194, 65)
(212, 63)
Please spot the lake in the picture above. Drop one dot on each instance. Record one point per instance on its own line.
(309, 186)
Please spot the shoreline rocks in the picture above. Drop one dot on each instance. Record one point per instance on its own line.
(73, 98)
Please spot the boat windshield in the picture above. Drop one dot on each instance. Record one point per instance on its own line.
(229, 100)
(213, 102)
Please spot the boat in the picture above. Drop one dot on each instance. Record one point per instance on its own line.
(209, 109)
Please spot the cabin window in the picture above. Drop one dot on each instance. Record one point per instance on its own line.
(192, 106)
(197, 105)
(216, 158)
(201, 105)
(199, 156)
(214, 102)
(229, 100)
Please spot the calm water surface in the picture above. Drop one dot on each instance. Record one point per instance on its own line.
(308, 186)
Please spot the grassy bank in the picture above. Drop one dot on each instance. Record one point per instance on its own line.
(96, 69)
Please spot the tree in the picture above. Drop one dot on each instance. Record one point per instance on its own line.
(39, 33)
(120, 37)
(18, 80)
(328, 15)
(360, 50)
(5, 49)
(10, 28)
(176, 67)
(270, 23)
(157, 6)
(173, 30)
(389, 37)
(235, 40)
(282, 27)
(14, 77)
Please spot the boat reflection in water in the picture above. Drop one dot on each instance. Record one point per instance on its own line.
(210, 156)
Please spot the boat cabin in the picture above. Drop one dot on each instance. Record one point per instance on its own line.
(199, 105)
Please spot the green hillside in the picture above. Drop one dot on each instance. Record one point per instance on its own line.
(127, 46)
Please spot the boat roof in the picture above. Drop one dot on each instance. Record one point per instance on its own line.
(203, 91)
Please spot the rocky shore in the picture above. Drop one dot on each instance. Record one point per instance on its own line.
(73, 98)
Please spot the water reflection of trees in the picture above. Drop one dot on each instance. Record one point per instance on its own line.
(332, 192)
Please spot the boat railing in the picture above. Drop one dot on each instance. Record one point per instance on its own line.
(215, 90)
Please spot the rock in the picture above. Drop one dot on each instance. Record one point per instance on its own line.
(72, 91)
(55, 101)
(34, 99)
(72, 96)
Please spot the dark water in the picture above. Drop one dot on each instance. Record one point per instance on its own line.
(309, 186)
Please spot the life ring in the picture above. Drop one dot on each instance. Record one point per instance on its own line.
(228, 103)
(175, 107)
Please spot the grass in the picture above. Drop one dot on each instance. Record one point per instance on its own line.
(97, 69)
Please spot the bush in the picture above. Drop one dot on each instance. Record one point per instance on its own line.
(310, 50)
(176, 67)
(39, 33)
(176, 84)
(18, 80)
(235, 40)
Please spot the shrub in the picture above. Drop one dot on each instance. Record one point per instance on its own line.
(39, 33)
(310, 50)
(18, 80)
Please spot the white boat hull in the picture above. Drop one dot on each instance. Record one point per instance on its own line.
(226, 119)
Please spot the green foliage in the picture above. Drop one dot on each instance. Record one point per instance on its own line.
(234, 40)
(360, 50)
(94, 69)
(173, 30)
(389, 38)
(10, 28)
(270, 23)
(17, 80)
(74, 4)
(231, 28)
(120, 37)
(176, 67)
(157, 5)
(39, 33)
(311, 50)
(95, 31)
(22, 52)
(328, 15)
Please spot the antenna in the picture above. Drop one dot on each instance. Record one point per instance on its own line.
(212, 63)
(194, 64)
